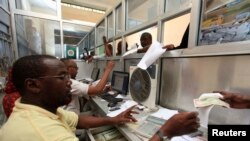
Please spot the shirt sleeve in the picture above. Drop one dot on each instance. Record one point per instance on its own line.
(79, 88)
(70, 118)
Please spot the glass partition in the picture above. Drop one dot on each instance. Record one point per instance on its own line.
(37, 36)
(224, 21)
(92, 39)
(4, 21)
(118, 16)
(99, 51)
(110, 25)
(39, 6)
(5, 4)
(84, 44)
(100, 33)
(174, 30)
(175, 5)
(73, 33)
(135, 38)
(140, 11)
(6, 54)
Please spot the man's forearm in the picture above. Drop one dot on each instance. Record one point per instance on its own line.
(86, 122)
(98, 89)
(247, 101)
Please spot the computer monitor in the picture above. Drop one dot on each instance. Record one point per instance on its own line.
(120, 81)
(95, 74)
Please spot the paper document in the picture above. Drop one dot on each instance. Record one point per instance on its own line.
(164, 113)
(204, 115)
(186, 138)
(124, 106)
(99, 56)
(152, 54)
(133, 50)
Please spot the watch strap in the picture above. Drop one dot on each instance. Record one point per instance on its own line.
(161, 135)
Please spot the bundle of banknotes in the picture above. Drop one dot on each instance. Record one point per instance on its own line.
(207, 99)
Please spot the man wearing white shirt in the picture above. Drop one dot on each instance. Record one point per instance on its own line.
(81, 89)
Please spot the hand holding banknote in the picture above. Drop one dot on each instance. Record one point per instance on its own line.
(236, 100)
(205, 103)
(207, 99)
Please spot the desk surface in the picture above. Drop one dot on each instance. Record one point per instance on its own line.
(102, 105)
(128, 133)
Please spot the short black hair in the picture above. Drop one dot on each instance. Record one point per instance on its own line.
(146, 35)
(119, 48)
(28, 67)
(66, 61)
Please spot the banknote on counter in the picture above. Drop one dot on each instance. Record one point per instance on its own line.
(210, 101)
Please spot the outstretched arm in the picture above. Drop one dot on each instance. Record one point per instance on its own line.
(236, 100)
(86, 122)
(98, 89)
(143, 50)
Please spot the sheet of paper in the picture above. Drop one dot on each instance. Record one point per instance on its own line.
(134, 50)
(205, 103)
(178, 138)
(124, 106)
(188, 138)
(204, 115)
(164, 113)
(185, 138)
(153, 53)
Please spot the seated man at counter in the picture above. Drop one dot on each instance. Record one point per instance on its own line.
(81, 89)
(45, 87)
(146, 41)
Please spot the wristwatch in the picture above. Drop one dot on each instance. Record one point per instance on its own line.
(161, 135)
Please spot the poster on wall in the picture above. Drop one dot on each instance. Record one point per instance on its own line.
(225, 21)
(70, 52)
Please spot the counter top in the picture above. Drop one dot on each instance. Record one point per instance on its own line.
(102, 105)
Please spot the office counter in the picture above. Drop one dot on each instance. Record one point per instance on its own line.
(102, 109)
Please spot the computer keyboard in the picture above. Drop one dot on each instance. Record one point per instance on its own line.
(110, 98)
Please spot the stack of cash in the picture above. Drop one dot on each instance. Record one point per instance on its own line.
(208, 99)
